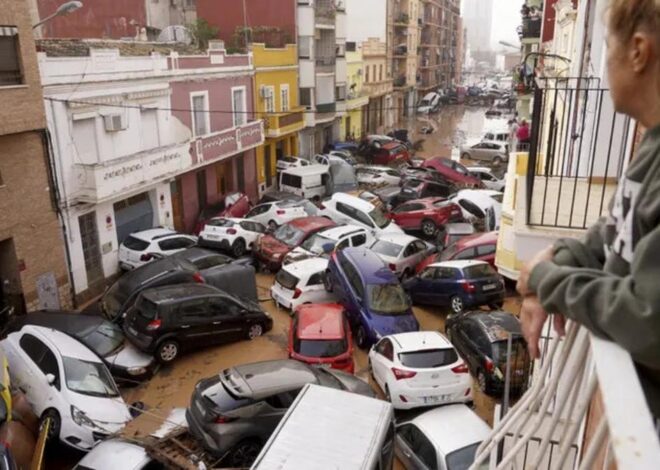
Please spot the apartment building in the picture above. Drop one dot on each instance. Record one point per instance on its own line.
(438, 52)
(33, 267)
(403, 32)
(530, 39)
(357, 99)
(378, 86)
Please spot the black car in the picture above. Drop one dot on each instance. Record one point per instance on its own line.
(415, 188)
(481, 339)
(191, 265)
(167, 320)
(106, 339)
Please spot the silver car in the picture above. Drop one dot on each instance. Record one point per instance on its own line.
(233, 414)
(493, 152)
(402, 253)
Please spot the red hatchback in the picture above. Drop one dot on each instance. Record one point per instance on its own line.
(426, 214)
(391, 154)
(234, 205)
(480, 246)
(453, 171)
(320, 335)
(270, 250)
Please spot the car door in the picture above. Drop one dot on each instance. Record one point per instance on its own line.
(446, 285)
(462, 337)
(420, 251)
(229, 320)
(260, 213)
(409, 215)
(416, 450)
(37, 360)
(252, 230)
(193, 323)
(423, 286)
(382, 361)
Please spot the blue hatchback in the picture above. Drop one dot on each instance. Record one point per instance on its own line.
(458, 284)
(375, 302)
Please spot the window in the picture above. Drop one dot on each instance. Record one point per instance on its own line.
(340, 91)
(429, 273)
(422, 447)
(342, 244)
(175, 244)
(84, 139)
(225, 308)
(284, 98)
(260, 209)
(366, 77)
(292, 181)
(193, 310)
(359, 240)
(239, 106)
(149, 134)
(315, 279)
(269, 99)
(10, 62)
(351, 46)
(386, 349)
(305, 97)
(380, 73)
(200, 115)
(485, 250)
(305, 47)
(240, 173)
(41, 355)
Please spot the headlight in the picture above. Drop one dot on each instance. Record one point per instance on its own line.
(80, 418)
(136, 370)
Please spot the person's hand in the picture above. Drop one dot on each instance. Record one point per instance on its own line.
(523, 279)
(532, 319)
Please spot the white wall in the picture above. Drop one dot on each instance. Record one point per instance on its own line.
(305, 18)
(325, 89)
(307, 77)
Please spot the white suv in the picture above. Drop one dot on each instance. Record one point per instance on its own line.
(140, 248)
(346, 209)
(235, 235)
(328, 240)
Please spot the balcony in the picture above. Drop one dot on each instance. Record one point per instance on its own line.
(325, 13)
(531, 28)
(400, 52)
(402, 20)
(326, 108)
(284, 123)
(400, 81)
(325, 64)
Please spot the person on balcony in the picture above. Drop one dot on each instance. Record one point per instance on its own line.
(610, 280)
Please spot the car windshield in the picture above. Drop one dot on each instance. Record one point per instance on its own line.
(220, 223)
(497, 197)
(289, 235)
(428, 358)
(316, 243)
(462, 459)
(113, 299)
(479, 270)
(321, 347)
(104, 339)
(289, 159)
(388, 299)
(518, 349)
(378, 216)
(386, 248)
(88, 378)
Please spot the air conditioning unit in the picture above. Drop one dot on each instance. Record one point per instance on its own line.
(115, 122)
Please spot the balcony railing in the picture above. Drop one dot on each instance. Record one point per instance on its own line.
(326, 108)
(400, 81)
(578, 149)
(278, 124)
(531, 28)
(326, 64)
(586, 407)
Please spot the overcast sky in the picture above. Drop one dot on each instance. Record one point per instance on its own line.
(506, 18)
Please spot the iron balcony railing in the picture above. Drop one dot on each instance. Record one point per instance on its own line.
(531, 28)
(578, 149)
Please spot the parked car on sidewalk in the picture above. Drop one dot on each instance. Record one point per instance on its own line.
(419, 369)
(233, 205)
(67, 383)
(168, 320)
(481, 338)
(426, 214)
(415, 188)
(375, 302)
(323, 243)
(140, 248)
(401, 253)
(233, 235)
(347, 209)
(319, 334)
(285, 163)
(480, 246)
(301, 283)
(495, 153)
(488, 178)
(270, 250)
(453, 171)
(373, 175)
(104, 338)
(274, 214)
(446, 437)
(236, 411)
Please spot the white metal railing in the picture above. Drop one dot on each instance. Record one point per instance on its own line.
(548, 428)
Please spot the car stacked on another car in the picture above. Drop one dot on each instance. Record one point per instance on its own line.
(301, 283)
(426, 215)
(453, 171)
(274, 214)
(234, 235)
(373, 175)
(488, 178)
(496, 153)
(141, 248)
(346, 209)
(285, 163)
(415, 188)
(323, 243)
(480, 246)
(402, 253)
(234, 205)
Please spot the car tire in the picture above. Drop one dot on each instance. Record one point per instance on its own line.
(456, 304)
(466, 155)
(255, 331)
(482, 381)
(167, 351)
(327, 282)
(361, 337)
(238, 248)
(429, 227)
(497, 161)
(55, 424)
(244, 453)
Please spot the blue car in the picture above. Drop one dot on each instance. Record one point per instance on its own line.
(375, 302)
(458, 284)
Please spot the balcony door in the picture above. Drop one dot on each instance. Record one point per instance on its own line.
(89, 238)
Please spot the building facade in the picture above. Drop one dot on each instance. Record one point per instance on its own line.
(352, 126)
(403, 39)
(277, 103)
(33, 267)
(143, 139)
(438, 52)
(378, 86)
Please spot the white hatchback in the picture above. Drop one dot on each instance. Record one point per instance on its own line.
(418, 369)
(487, 177)
(274, 214)
(343, 208)
(285, 163)
(235, 235)
(377, 175)
(140, 248)
(64, 381)
(324, 242)
(402, 252)
(301, 283)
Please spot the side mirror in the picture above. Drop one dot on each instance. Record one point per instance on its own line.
(50, 378)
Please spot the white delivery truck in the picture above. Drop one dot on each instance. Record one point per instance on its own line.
(329, 429)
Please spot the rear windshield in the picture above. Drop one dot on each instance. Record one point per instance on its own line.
(462, 459)
(218, 396)
(386, 248)
(320, 348)
(220, 223)
(136, 244)
(379, 218)
(147, 309)
(429, 358)
(479, 270)
(317, 242)
(293, 181)
(448, 253)
(286, 279)
(518, 349)
(289, 235)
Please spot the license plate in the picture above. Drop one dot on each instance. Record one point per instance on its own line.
(213, 237)
(436, 399)
(489, 286)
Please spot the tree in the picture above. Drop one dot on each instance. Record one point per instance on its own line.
(202, 32)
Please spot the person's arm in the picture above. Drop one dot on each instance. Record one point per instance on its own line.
(586, 253)
(624, 309)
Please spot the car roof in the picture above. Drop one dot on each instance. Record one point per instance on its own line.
(63, 343)
(370, 265)
(311, 223)
(320, 321)
(459, 263)
(420, 340)
(397, 238)
(353, 201)
(307, 266)
(153, 234)
(66, 322)
(452, 427)
(262, 379)
(498, 325)
(166, 294)
(115, 453)
(460, 227)
(311, 169)
(335, 233)
(478, 239)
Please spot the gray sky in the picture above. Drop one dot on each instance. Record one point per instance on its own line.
(506, 18)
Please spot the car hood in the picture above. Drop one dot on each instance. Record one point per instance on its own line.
(129, 356)
(352, 383)
(392, 227)
(272, 245)
(386, 325)
(110, 413)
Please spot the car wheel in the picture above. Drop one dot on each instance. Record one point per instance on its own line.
(255, 331)
(466, 155)
(456, 304)
(272, 225)
(496, 305)
(361, 337)
(429, 228)
(497, 160)
(482, 380)
(55, 424)
(167, 351)
(244, 454)
(327, 282)
(238, 249)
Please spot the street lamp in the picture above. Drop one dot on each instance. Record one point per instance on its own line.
(63, 9)
(508, 44)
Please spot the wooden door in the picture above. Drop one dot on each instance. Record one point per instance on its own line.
(177, 205)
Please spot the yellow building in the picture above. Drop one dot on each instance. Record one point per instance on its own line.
(378, 86)
(277, 102)
(356, 99)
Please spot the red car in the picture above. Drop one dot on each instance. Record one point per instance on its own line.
(319, 334)
(480, 246)
(234, 205)
(391, 154)
(453, 171)
(426, 214)
(270, 250)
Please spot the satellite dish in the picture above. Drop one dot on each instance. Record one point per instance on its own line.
(176, 33)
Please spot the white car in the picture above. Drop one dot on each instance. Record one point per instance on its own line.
(446, 437)
(420, 368)
(377, 175)
(301, 283)
(140, 248)
(274, 214)
(402, 252)
(328, 240)
(285, 163)
(118, 454)
(489, 180)
(64, 381)
(493, 152)
(346, 209)
(481, 204)
(235, 235)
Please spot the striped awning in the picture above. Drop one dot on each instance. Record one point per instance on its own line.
(8, 30)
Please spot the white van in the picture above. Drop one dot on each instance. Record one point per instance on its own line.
(331, 429)
(429, 104)
(312, 181)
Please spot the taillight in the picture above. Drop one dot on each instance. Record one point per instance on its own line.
(403, 374)
(280, 212)
(154, 324)
(198, 278)
(462, 368)
(223, 419)
(231, 231)
(468, 287)
(489, 365)
(392, 267)
(296, 293)
(146, 257)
